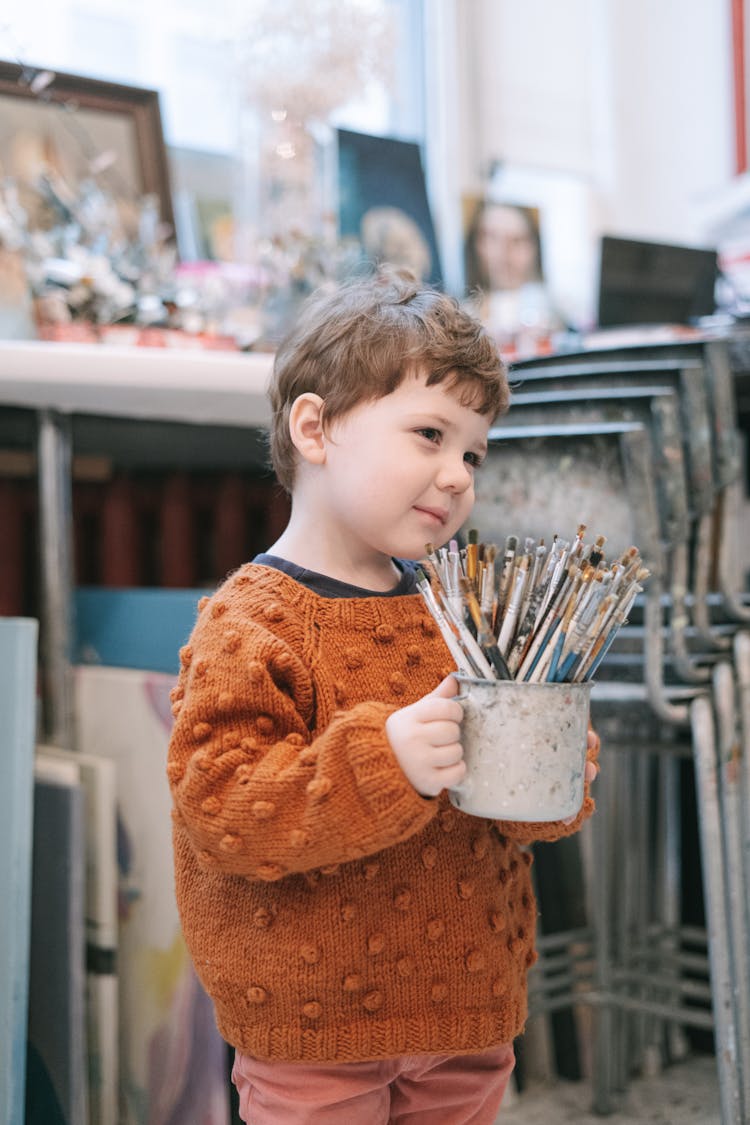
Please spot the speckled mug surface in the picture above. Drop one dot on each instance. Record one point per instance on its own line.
(524, 748)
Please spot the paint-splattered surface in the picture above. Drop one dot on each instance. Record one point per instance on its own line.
(683, 1094)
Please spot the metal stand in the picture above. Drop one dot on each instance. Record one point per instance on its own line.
(653, 975)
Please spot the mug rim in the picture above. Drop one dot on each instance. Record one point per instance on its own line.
(584, 685)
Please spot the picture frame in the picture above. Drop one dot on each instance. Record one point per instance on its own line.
(383, 202)
(77, 118)
(486, 241)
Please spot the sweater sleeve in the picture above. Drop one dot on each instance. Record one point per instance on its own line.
(257, 795)
(527, 832)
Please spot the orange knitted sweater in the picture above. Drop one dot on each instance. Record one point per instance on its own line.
(331, 912)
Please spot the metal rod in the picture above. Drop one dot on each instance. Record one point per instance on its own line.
(709, 822)
(730, 776)
(742, 670)
(603, 1038)
(56, 576)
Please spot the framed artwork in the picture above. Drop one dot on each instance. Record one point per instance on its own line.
(78, 127)
(502, 244)
(204, 192)
(383, 202)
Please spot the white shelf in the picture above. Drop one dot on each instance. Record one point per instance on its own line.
(171, 384)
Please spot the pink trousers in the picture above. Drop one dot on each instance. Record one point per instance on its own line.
(411, 1090)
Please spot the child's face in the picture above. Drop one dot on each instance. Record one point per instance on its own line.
(400, 470)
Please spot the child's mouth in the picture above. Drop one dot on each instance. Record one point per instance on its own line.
(439, 515)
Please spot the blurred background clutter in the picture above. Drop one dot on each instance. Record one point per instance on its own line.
(175, 179)
(288, 147)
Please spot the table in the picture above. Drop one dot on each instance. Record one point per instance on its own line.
(58, 380)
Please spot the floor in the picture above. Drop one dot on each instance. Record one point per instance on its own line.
(683, 1094)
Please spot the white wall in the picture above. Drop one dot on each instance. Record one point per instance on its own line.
(671, 113)
(634, 95)
(534, 78)
(612, 115)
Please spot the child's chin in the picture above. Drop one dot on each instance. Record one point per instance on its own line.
(418, 554)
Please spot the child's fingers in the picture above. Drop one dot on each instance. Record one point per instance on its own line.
(448, 755)
(437, 709)
(447, 687)
(441, 711)
(452, 775)
(443, 734)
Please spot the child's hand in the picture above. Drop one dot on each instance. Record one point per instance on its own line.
(425, 740)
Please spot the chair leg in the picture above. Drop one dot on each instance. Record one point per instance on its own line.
(670, 899)
(714, 883)
(730, 779)
(604, 1039)
(742, 670)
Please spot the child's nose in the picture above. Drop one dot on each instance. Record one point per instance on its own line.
(455, 475)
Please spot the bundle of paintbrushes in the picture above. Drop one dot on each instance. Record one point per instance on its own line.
(530, 613)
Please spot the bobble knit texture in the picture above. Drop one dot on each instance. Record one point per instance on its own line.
(331, 912)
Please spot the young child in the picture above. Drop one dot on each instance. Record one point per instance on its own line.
(365, 944)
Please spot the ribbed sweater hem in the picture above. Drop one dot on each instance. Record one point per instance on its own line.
(454, 1034)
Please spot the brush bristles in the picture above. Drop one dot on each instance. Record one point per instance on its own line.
(568, 596)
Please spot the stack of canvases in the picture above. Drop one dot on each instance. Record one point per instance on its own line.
(133, 1034)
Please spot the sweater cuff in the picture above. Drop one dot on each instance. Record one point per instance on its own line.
(383, 784)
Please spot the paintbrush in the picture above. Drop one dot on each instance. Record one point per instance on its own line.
(472, 555)
(557, 572)
(508, 627)
(593, 640)
(584, 619)
(525, 635)
(569, 615)
(452, 607)
(595, 554)
(577, 546)
(619, 619)
(548, 621)
(485, 636)
(460, 657)
(436, 561)
(539, 670)
(506, 569)
(487, 589)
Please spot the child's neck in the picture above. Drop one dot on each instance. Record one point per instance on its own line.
(304, 546)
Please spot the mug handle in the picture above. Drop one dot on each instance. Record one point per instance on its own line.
(462, 790)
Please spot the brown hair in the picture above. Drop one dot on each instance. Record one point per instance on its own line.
(358, 342)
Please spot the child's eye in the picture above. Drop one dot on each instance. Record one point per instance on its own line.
(473, 459)
(430, 433)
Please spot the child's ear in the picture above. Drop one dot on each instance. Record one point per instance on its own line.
(306, 428)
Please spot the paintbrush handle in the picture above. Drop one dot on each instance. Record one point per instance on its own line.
(510, 620)
(497, 660)
(477, 657)
(524, 637)
(538, 673)
(454, 646)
